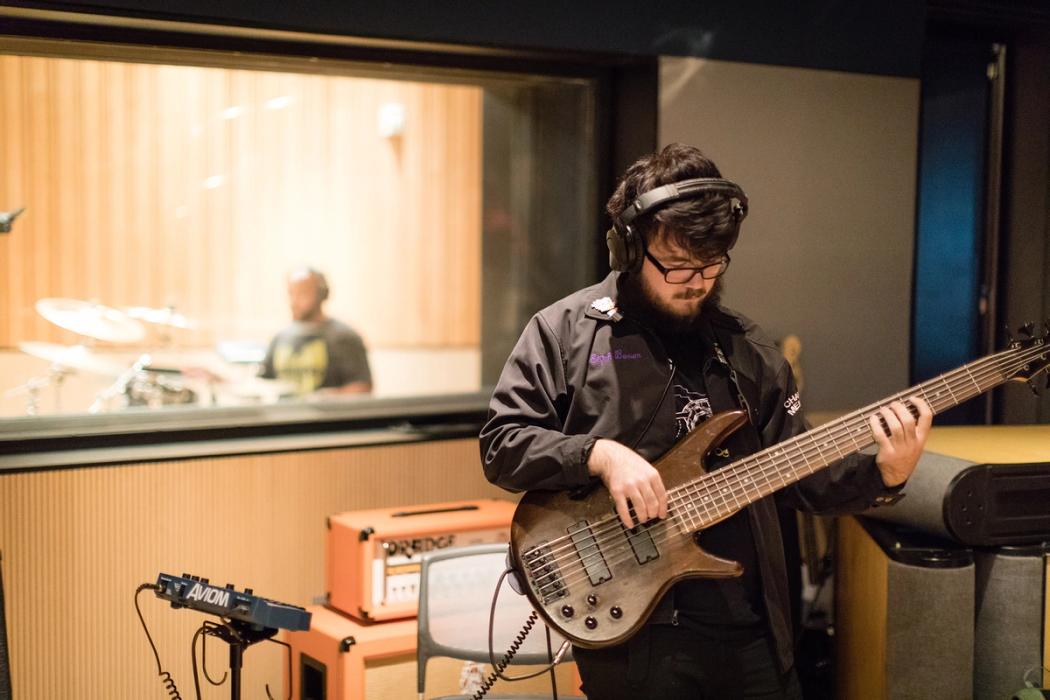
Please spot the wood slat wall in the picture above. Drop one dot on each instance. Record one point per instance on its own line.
(157, 184)
(76, 543)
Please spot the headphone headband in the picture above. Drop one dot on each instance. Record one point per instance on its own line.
(658, 196)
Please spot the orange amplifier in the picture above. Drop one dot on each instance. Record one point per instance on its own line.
(372, 561)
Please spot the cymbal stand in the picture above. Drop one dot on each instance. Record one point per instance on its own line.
(56, 375)
(121, 384)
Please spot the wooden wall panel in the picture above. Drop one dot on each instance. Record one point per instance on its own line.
(76, 544)
(154, 184)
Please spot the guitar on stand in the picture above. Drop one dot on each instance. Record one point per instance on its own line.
(596, 582)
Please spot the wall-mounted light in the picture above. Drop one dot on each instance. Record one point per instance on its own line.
(391, 119)
(278, 102)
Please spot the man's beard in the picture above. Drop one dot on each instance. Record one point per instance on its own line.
(639, 300)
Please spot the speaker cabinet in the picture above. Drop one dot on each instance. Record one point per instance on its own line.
(341, 658)
(1011, 632)
(903, 614)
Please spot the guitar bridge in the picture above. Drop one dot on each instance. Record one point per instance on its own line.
(544, 575)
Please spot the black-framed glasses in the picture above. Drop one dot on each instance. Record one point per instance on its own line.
(682, 275)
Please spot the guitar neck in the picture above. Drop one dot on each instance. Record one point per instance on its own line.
(718, 494)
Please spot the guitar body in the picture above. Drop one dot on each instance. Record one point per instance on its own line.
(597, 583)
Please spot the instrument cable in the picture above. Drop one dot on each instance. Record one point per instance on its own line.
(498, 667)
(165, 677)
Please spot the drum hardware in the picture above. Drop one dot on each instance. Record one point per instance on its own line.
(64, 360)
(55, 376)
(91, 320)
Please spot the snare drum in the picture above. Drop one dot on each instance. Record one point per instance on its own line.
(155, 389)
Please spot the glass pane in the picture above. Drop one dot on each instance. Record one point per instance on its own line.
(167, 203)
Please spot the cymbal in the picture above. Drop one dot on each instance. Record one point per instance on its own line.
(160, 317)
(91, 320)
(73, 357)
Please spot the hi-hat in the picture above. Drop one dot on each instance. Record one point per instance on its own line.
(160, 317)
(91, 320)
(72, 357)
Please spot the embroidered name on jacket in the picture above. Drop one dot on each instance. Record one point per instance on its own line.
(602, 358)
(793, 404)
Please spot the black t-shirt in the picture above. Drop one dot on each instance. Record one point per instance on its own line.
(735, 601)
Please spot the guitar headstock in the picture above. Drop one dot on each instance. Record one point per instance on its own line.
(1031, 354)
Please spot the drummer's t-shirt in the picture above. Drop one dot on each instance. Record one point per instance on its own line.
(313, 356)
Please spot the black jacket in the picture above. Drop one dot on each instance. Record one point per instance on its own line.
(582, 370)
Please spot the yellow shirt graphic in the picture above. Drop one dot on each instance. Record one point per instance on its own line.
(304, 367)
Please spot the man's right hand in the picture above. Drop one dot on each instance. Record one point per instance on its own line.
(628, 477)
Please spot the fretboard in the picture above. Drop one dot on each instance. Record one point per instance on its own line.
(720, 493)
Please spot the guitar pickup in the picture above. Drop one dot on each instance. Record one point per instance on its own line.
(642, 544)
(590, 553)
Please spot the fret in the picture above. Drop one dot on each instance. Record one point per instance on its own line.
(693, 518)
(820, 449)
(857, 445)
(970, 375)
(802, 452)
(950, 392)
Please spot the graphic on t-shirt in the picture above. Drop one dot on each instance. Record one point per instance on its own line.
(303, 366)
(693, 408)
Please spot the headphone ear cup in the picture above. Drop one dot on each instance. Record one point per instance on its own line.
(625, 249)
(614, 242)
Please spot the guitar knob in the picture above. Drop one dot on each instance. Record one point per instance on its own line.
(616, 612)
(567, 611)
(592, 600)
(590, 622)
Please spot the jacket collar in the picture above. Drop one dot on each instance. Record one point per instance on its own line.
(602, 302)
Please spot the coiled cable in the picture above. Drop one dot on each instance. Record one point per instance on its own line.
(165, 677)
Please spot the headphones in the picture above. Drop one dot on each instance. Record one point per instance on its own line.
(626, 247)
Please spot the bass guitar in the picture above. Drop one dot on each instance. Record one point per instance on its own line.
(596, 582)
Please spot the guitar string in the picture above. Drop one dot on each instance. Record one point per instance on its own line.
(604, 538)
(603, 534)
(846, 425)
(619, 548)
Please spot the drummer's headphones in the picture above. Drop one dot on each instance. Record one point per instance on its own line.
(626, 247)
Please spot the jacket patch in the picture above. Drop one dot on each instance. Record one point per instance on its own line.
(793, 404)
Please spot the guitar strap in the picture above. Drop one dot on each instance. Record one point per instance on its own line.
(734, 380)
(765, 525)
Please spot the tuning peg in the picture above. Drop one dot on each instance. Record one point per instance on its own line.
(1027, 329)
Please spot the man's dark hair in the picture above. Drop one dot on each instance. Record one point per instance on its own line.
(703, 225)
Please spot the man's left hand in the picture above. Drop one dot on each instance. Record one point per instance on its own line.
(900, 449)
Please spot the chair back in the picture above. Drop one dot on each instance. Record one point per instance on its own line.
(456, 586)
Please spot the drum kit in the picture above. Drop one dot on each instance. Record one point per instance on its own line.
(140, 384)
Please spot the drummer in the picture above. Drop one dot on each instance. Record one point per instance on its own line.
(316, 353)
